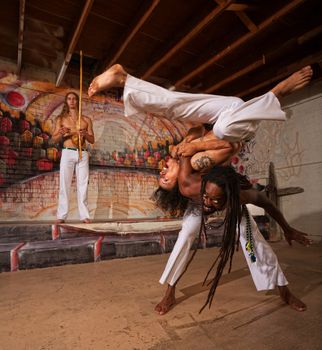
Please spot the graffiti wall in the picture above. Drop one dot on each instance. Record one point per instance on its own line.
(124, 160)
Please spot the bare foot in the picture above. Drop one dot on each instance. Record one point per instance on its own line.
(87, 221)
(294, 82)
(167, 302)
(290, 299)
(60, 221)
(115, 76)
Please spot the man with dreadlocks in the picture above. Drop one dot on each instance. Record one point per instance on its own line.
(223, 188)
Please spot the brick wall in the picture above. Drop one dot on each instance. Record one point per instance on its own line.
(113, 194)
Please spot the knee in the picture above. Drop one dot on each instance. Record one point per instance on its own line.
(222, 131)
(233, 132)
(187, 235)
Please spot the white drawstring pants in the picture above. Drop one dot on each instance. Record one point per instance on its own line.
(68, 163)
(233, 119)
(266, 272)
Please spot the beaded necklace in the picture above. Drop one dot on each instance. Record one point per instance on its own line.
(249, 236)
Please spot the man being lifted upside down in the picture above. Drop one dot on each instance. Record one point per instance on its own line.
(233, 119)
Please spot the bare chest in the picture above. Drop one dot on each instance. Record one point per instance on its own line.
(72, 124)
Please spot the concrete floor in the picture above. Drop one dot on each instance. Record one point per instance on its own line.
(109, 305)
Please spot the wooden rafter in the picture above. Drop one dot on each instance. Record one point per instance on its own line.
(132, 32)
(237, 75)
(186, 38)
(252, 27)
(238, 7)
(267, 58)
(282, 12)
(74, 40)
(309, 35)
(239, 11)
(20, 34)
(234, 6)
(286, 72)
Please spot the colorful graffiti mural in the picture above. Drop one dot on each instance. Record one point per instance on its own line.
(28, 156)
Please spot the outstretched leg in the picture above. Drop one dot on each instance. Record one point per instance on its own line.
(167, 302)
(112, 77)
(290, 299)
(294, 82)
(179, 257)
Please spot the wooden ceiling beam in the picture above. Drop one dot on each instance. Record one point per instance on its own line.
(73, 42)
(239, 11)
(238, 7)
(237, 75)
(252, 27)
(186, 38)
(234, 7)
(284, 73)
(309, 35)
(22, 7)
(280, 13)
(287, 46)
(132, 32)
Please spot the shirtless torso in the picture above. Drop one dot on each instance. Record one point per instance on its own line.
(67, 129)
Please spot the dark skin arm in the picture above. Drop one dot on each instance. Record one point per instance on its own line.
(189, 149)
(259, 199)
(195, 133)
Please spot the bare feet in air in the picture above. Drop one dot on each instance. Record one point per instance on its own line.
(115, 76)
(294, 82)
(290, 299)
(294, 235)
(167, 302)
(87, 221)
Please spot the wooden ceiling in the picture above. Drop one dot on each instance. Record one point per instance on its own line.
(214, 46)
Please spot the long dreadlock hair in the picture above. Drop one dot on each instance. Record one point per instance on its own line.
(231, 183)
(171, 201)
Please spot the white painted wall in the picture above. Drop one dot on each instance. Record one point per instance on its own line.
(295, 147)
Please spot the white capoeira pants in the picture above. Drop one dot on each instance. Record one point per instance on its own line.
(233, 119)
(266, 272)
(68, 163)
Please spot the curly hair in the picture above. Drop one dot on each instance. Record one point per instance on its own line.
(170, 201)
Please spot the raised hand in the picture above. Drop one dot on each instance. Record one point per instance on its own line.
(294, 235)
(187, 149)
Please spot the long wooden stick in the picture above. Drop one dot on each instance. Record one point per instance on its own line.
(80, 103)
